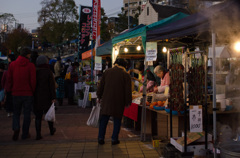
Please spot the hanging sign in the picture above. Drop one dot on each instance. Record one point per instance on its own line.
(196, 118)
(98, 63)
(85, 26)
(151, 51)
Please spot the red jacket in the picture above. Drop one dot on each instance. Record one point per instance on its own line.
(21, 77)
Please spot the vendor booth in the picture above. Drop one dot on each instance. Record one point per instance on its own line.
(201, 33)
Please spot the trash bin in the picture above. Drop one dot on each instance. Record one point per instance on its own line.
(230, 150)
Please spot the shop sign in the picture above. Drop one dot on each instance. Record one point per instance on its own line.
(196, 118)
(151, 51)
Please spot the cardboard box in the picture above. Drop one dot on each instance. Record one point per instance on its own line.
(197, 148)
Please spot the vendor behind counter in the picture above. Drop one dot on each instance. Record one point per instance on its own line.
(163, 74)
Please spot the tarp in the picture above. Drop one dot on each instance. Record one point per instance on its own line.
(213, 17)
(142, 31)
(87, 54)
(105, 49)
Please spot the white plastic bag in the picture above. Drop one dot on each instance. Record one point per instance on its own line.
(93, 119)
(50, 115)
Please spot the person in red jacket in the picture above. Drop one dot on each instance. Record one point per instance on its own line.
(22, 81)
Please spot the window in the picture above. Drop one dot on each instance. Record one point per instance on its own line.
(147, 11)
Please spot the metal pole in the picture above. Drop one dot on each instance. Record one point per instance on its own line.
(128, 16)
(143, 120)
(214, 92)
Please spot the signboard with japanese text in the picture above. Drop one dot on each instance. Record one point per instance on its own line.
(96, 18)
(151, 51)
(98, 63)
(196, 124)
(85, 26)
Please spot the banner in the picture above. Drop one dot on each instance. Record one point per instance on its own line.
(96, 21)
(84, 26)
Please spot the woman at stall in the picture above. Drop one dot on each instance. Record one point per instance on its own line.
(165, 79)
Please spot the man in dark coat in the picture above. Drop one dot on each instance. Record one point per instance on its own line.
(22, 82)
(45, 94)
(114, 93)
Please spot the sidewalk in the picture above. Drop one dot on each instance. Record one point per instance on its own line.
(73, 138)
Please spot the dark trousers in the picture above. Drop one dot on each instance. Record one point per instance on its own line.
(38, 122)
(103, 125)
(9, 102)
(19, 102)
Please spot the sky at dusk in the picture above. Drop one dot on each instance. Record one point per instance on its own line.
(25, 11)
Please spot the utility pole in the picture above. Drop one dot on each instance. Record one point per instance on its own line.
(128, 16)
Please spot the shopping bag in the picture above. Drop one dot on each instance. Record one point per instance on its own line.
(2, 95)
(50, 115)
(93, 119)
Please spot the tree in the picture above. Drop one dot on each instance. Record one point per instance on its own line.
(105, 34)
(18, 38)
(6, 20)
(58, 19)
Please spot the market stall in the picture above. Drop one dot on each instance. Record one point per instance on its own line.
(208, 28)
(136, 38)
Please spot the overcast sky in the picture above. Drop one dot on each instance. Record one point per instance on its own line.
(25, 11)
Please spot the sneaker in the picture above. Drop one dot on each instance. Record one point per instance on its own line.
(53, 131)
(115, 142)
(101, 142)
(15, 135)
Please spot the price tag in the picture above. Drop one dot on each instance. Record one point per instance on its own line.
(196, 118)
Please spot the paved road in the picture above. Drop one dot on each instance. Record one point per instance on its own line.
(73, 138)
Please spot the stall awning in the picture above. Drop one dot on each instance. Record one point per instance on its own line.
(142, 31)
(87, 54)
(105, 49)
(216, 17)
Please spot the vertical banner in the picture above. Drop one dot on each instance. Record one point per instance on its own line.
(96, 22)
(84, 27)
(196, 118)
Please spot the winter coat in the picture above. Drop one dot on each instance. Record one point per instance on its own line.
(21, 77)
(114, 91)
(57, 68)
(45, 89)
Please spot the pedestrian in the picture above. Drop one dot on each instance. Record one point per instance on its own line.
(22, 82)
(70, 82)
(44, 95)
(60, 89)
(2, 95)
(58, 67)
(5, 85)
(114, 93)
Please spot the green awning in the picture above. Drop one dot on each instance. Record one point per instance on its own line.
(105, 49)
(142, 31)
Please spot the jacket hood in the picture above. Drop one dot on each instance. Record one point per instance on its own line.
(22, 61)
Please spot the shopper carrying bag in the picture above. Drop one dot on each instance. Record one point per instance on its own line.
(93, 119)
(50, 115)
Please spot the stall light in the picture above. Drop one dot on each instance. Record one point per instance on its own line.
(164, 50)
(237, 46)
(116, 52)
(138, 48)
(125, 50)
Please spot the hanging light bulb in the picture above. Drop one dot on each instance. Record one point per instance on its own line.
(237, 46)
(116, 52)
(164, 49)
(138, 48)
(125, 50)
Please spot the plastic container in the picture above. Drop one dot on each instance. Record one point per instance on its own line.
(230, 150)
(159, 107)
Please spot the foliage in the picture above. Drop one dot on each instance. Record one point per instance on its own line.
(18, 38)
(59, 20)
(123, 21)
(105, 35)
(7, 19)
